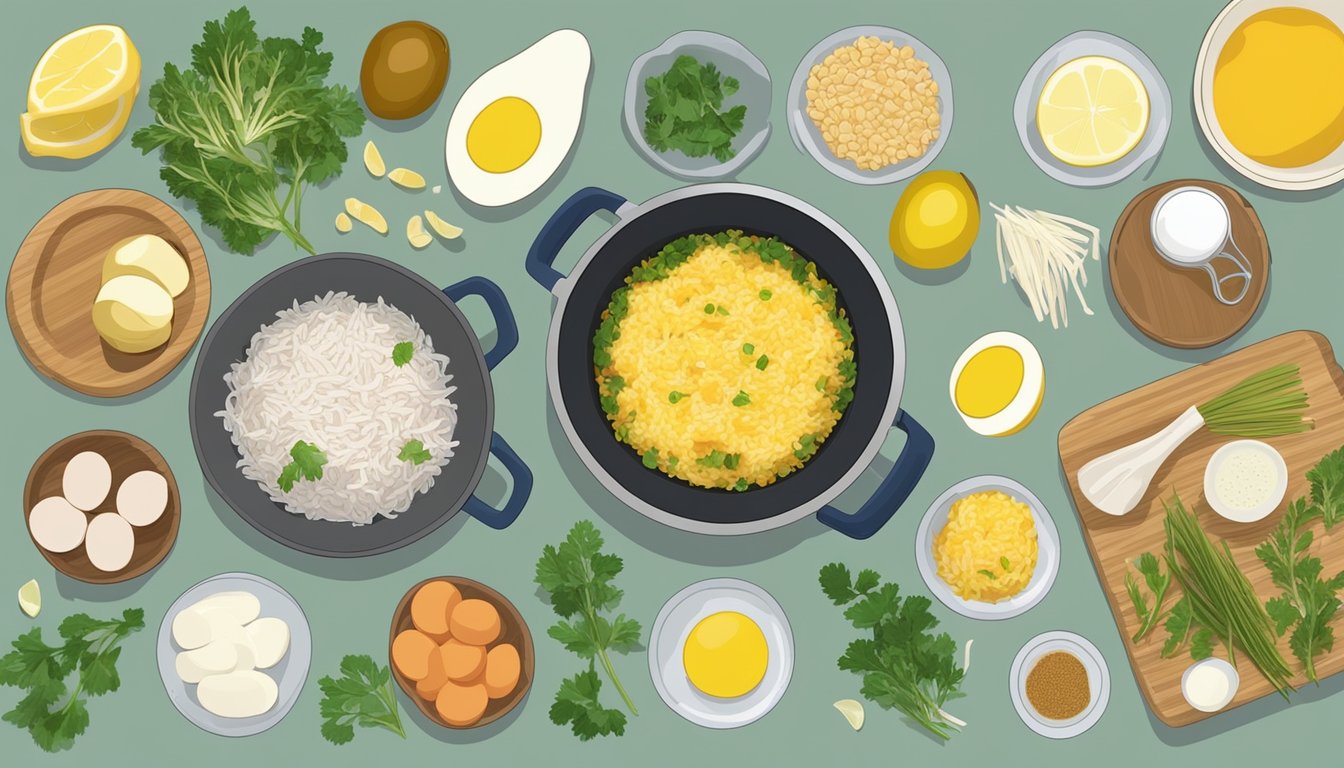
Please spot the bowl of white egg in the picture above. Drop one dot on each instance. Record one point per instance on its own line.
(233, 653)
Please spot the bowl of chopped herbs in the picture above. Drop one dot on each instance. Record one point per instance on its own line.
(698, 106)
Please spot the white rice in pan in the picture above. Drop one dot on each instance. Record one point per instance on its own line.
(323, 373)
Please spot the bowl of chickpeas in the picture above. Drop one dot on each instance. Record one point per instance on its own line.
(872, 105)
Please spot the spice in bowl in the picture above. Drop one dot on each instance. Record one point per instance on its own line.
(1057, 686)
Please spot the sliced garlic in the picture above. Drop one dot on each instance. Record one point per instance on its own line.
(343, 223)
(446, 231)
(437, 188)
(416, 234)
(405, 177)
(373, 160)
(366, 214)
(852, 710)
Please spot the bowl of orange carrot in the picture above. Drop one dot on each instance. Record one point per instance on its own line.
(460, 651)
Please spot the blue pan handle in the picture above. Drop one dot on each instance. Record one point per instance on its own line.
(506, 328)
(499, 519)
(561, 226)
(894, 489)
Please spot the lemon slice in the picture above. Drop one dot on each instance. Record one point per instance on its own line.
(30, 598)
(373, 160)
(405, 177)
(77, 134)
(446, 231)
(416, 234)
(1092, 111)
(343, 223)
(852, 710)
(87, 68)
(366, 214)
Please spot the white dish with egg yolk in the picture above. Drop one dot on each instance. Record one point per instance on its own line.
(514, 126)
(675, 627)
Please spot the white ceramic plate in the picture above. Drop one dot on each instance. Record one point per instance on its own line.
(673, 625)
(1323, 173)
(732, 60)
(1074, 46)
(289, 674)
(1047, 550)
(1098, 683)
(808, 139)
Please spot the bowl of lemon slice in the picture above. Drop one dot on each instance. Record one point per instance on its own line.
(1092, 109)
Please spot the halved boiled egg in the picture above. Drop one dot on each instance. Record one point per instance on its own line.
(998, 383)
(513, 127)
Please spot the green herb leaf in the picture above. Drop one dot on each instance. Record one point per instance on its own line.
(836, 583)
(722, 310)
(1327, 487)
(362, 696)
(684, 114)
(709, 309)
(675, 397)
(1201, 644)
(741, 484)
(402, 352)
(987, 574)
(247, 126)
(1179, 621)
(414, 452)
(650, 458)
(765, 294)
(741, 399)
(578, 575)
(306, 465)
(1158, 583)
(1003, 561)
(762, 362)
(748, 349)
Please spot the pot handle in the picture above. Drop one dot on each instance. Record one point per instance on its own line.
(894, 489)
(499, 519)
(561, 226)
(506, 329)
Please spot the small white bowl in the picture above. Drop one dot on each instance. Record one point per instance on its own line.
(1271, 503)
(1047, 550)
(808, 139)
(1234, 681)
(1098, 683)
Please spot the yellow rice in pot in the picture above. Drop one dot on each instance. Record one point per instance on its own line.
(987, 549)
(724, 361)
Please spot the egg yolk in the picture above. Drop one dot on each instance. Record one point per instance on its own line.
(989, 382)
(504, 135)
(725, 655)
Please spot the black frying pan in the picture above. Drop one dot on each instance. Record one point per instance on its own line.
(366, 278)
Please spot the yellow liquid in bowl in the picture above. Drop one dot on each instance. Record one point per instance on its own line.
(1276, 87)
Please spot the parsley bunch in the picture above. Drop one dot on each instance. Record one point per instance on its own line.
(684, 111)
(54, 714)
(904, 665)
(362, 696)
(578, 576)
(248, 117)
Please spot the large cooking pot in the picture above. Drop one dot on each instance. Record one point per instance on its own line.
(366, 278)
(879, 350)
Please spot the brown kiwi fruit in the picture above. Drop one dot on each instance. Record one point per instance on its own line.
(404, 69)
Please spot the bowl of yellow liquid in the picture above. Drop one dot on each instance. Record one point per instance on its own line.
(1267, 91)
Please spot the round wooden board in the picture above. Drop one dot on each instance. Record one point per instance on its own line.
(56, 276)
(513, 630)
(1175, 305)
(127, 454)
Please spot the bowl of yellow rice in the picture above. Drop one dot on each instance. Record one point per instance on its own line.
(987, 548)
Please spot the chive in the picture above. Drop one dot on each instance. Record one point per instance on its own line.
(709, 309)
(1004, 562)
(748, 349)
(1264, 404)
(761, 362)
(741, 399)
(765, 294)
(675, 397)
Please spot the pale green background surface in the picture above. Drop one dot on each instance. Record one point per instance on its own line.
(988, 47)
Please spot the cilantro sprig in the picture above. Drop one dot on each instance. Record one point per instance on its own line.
(362, 696)
(53, 714)
(1309, 601)
(685, 111)
(306, 465)
(246, 118)
(402, 352)
(904, 665)
(414, 452)
(578, 577)
(1158, 582)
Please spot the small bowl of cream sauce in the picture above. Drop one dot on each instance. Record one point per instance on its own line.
(1245, 480)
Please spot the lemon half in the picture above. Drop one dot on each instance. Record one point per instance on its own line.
(87, 68)
(1092, 111)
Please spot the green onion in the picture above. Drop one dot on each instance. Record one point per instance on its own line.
(765, 294)
(650, 458)
(1004, 562)
(709, 309)
(761, 362)
(741, 399)
(675, 397)
(821, 384)
(747, 349)
(1221, 598)
(741, 484)
(721, 310)
(987, 573)
(1269, 403)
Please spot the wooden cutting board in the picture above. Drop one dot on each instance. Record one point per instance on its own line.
(1112, 541)
(56, 276)
(1176, 305)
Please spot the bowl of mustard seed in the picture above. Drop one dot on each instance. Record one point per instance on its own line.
(1060, 684)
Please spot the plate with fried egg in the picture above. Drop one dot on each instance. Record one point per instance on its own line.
(721, 653)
